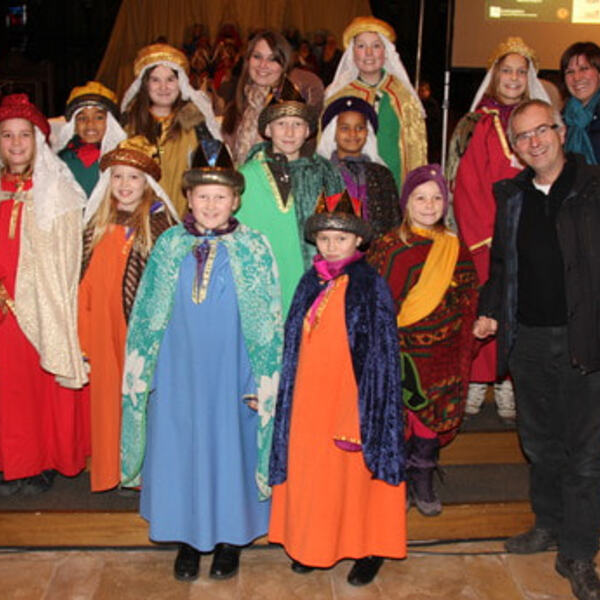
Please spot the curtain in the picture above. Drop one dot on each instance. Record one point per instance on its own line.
(140, 22)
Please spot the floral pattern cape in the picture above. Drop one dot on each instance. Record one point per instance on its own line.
(256, 280)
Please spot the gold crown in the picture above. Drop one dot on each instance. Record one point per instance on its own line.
(513, 45)
(92, 88)
(134, 152)
(362, 24)
(156, 53)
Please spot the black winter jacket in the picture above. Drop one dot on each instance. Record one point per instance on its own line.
(578, 231)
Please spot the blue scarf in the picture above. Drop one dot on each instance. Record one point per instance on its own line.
(578, 118)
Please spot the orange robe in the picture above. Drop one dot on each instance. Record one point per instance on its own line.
(330, 508)
(102, 332)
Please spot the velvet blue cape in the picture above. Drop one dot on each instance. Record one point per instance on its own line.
(373, 340)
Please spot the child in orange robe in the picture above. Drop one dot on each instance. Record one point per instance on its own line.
(126, 213)
(337, 462)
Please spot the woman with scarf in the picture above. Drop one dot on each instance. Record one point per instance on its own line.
(266, 64)
(479, 156)
(337, 463)
(126, 213)
(434, 284)
(43, 424)
(371, 69)
(162, 106)
(348, 130)
(90, 131)
(203, 361)
(580, 68)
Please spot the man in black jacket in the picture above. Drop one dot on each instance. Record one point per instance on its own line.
(543, 301)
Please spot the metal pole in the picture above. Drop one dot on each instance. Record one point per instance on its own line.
(448, 66)
(419, 44)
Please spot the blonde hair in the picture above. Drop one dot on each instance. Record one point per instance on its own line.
(139, 220)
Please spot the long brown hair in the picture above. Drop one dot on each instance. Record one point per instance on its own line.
(139, 220)
(138, 119)
(282, 53)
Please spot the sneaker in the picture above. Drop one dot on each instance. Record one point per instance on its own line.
(504, 396)
(581, 575)
(475, 398)
(537, 539)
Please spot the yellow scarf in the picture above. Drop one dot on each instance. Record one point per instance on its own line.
(435, 277)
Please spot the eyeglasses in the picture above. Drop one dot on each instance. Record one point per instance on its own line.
(539, 131)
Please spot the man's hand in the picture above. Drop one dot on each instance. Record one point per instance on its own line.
(484, 327)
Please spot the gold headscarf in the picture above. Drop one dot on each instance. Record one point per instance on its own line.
(156, 53)
(363, 24)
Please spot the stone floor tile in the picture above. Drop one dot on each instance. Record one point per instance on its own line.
(273, 579)
(535, 576)
(27, 575)
(136, 575)
(76, 577)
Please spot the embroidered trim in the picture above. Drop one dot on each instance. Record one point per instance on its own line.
(485, 242)
(306, 324)
(20, 197)
(343, 438)
(284, 208)
(500, 131)
(200, 288)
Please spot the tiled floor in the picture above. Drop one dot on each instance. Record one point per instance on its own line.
(469, 571)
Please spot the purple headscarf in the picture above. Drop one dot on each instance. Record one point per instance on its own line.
(421, 175)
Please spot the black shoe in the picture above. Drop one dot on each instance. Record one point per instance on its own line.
(11, 487)
(226, 561)
(38, 484)
(301, 569)
(581, 575)
(364, 570)
(537, 539)
(187, 563)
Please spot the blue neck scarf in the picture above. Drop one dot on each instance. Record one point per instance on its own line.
(578, 118)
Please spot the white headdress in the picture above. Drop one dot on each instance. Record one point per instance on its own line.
(163, 54)
(347, 70)
(112, 137)
(513, 45)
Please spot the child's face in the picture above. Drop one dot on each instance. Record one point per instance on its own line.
(17, 144)
(337, 245)
(212, 205)
(163, 87)
(425, 205)
(350, 133)
(288, 134)
(127, 185)
(90, 124)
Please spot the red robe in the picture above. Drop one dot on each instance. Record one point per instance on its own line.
(486, 161)
(42, 425)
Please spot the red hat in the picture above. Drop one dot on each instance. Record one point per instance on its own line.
(17, 106)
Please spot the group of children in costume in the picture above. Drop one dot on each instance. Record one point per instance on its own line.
(232, 425)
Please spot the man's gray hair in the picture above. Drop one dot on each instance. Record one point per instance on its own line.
(521, 108)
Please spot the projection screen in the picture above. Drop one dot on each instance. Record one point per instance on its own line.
(549, 26)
